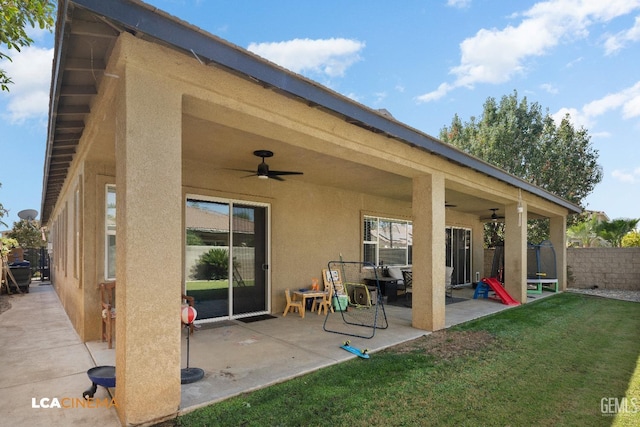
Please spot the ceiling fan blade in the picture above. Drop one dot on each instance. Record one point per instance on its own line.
(275, 173)
(253, 171)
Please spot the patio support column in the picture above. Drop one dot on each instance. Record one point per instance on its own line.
(557, 235)
(477, 241)
(428, 311)
(148, 150)
(515, 252)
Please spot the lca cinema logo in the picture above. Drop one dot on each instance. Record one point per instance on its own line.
(612, 406)
(72, 403)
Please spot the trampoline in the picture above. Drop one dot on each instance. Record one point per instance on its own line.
(541, 268)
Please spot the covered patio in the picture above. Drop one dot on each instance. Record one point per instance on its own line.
(239, 357)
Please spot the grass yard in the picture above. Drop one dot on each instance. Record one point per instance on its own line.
(203, 285)
(200, 285)
(563, 360)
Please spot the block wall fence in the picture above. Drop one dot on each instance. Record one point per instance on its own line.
(606, 268)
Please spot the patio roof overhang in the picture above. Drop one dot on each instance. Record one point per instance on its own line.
(86, 33)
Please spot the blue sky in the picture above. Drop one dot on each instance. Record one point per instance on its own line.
(423, 61)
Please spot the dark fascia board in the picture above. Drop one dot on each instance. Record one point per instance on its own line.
(54, 96)
(140, 17)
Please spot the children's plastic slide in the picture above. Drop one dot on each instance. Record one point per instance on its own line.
(501, 292)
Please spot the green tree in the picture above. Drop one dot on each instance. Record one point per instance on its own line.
(631, 240)
(525, 141)
(193, 239)
(615, 230)
(3, 212)
(28, 233)
(584, 233)
(15, 15)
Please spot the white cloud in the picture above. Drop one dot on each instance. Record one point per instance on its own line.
(442, 90)
(627, 177)
(353, 96)
(574, 62)
(379, 97)
(30, 71)
(627, 101)
(330, 57)
(549, 88)
(459, 4)
(494, 56)
(618, 41)
(577, 118)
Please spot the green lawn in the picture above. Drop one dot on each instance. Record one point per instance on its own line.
(562, 360)
(203, 285)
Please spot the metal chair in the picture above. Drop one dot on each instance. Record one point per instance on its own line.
(407, 278)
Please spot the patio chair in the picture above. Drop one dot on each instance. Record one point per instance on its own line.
(396, 273)
(108, 311)
(292, 305)
(448, 281)
(407, 278)
(325, 301)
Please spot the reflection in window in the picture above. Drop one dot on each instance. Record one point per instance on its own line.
(387, 241)
(110, 233)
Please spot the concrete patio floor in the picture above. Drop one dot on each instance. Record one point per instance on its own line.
(239, 357)
(43, 356)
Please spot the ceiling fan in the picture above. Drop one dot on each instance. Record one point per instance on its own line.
(263, 171)
(494, 216)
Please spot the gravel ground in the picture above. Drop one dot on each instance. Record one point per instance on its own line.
(610, 293)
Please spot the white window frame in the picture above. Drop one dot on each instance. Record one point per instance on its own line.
(376, 242)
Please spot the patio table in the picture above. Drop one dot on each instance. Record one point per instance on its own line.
(304, 294)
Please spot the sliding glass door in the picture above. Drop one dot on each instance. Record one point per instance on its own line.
(249, 255)
(226, 257)
(458, 243)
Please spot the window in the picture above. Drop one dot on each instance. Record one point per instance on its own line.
(387, 241)
(77, 212)
(110, 233)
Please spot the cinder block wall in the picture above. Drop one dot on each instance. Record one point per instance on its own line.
(606, 268)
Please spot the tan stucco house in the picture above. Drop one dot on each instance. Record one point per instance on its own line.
(159, 121)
